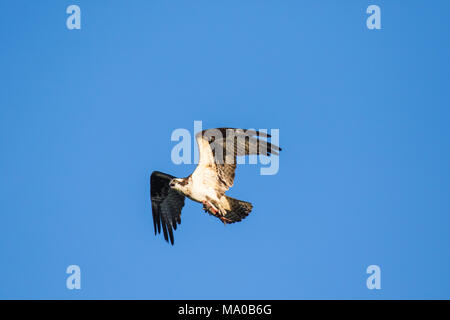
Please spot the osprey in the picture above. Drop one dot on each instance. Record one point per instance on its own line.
(213, 176)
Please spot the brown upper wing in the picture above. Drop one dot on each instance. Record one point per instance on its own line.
(218, 150)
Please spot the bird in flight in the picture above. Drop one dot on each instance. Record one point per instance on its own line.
(213, 176)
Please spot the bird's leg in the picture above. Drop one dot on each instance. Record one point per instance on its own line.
(224, 220)
(213, 209)
(219, 213)
(207, 206)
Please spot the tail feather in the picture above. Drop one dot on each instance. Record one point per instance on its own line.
(238, 210)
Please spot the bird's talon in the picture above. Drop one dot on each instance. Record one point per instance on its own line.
(224, 220)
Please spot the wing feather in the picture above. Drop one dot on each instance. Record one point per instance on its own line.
(219, 148)
(166, 205)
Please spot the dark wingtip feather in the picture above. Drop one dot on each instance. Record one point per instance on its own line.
(164, 227)
(169, 227)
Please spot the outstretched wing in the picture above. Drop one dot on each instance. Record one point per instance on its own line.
(166, 204)
(218, 149)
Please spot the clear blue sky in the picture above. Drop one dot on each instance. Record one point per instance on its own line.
(86, 116)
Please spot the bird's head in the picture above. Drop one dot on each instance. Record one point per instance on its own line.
(178, 184)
